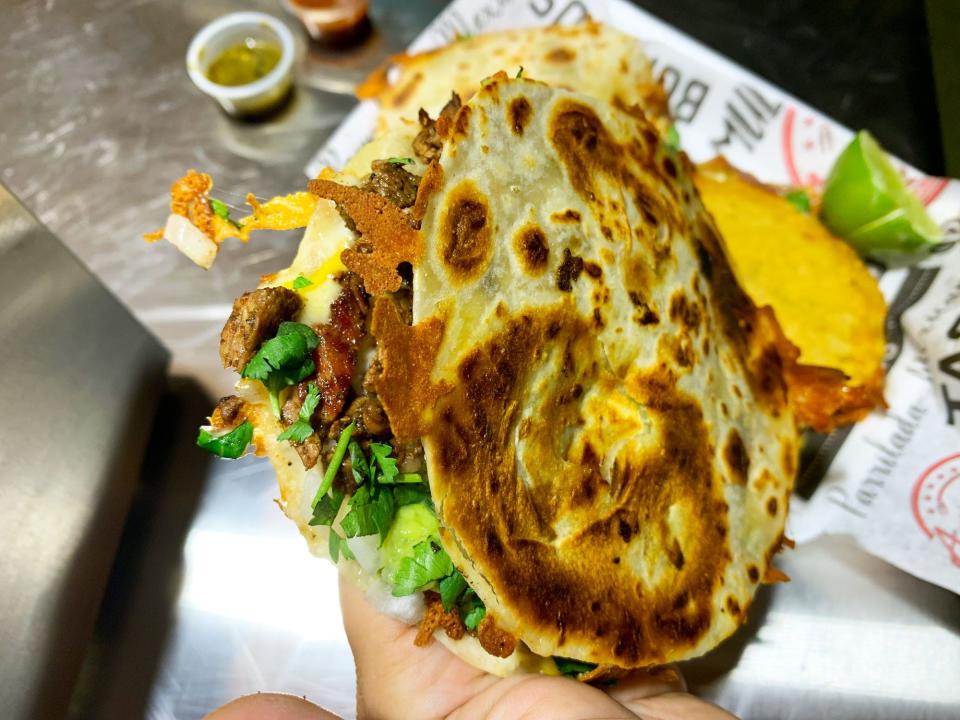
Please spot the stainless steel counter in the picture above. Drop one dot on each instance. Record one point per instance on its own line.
(98, 117)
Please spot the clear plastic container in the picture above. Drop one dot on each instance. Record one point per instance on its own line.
(254, 98)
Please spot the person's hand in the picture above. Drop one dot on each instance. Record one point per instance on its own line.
(396, 679)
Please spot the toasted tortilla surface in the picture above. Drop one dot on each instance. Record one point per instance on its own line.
(608, 440)
(588, 57)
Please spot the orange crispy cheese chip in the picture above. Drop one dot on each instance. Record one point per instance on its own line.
(383, 226)
(408, 354)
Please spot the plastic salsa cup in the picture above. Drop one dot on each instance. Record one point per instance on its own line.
(228, 31)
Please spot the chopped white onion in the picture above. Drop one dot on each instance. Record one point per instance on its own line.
(367, 552)
(190, 241)
(408, 609)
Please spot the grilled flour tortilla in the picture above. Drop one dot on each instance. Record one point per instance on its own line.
(520, 397)
(588, 57)
(607, 436)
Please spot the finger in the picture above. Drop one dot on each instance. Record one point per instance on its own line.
(647, 683)
(538, 697)
(395, 678)
(675, 706)
(270, 706)
(368, 631)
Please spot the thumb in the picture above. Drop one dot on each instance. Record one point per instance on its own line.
(270, 706)
(674, 706)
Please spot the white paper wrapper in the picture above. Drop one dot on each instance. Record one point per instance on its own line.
(893, 480)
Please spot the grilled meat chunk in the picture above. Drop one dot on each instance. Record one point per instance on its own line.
(336, 353)
(227, 412)
(427, 145)
(255, 318)
(393, 182)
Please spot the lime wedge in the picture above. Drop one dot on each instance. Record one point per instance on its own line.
(867, 203)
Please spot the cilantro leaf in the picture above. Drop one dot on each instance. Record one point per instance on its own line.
(221, 210)
(358, 522)
(335, 462)
(231, 445)
(310, 402)
(301, 282)
(472, 609)
(338, 547)
(297, 432)
(283, 360)
(473, 616)
(451, 588)
(572, 668)
(429, 562)
(326, 510)
(400, 161)
(388, 465)
(520, 72)
(371, 513)
(358, 464)
(799, 199)
(302, 429)
(411, 494)
(672, 140)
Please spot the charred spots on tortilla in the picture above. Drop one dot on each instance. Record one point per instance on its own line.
(598, 322)
(519, 112)
(466, 244)
(705, 346)
(493, 545)
(645, 315)
(624, 529)
(684, 312)
(733, 607)
(683, 353)
(675, 555)
(616, 560)
(669, 166)
(705, 260)
(461, 123)
(753, 573)
(567, 216)
(561, 55)
(593, 269)
(738, 460)
(553, 329)
(531, 247)
(569, 271)
(772, 507)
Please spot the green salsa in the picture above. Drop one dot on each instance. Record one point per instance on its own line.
(244, 63)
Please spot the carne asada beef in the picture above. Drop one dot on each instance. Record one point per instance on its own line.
(427, 145)
(227, 412)
(255, 318)
(393, 182)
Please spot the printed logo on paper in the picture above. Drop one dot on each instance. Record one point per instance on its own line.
(936, 504)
